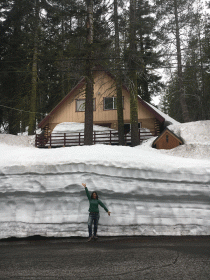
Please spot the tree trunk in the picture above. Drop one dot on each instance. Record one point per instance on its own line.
(118, 79)
(32, 115)
(185, 112)
(88, 134)
(133, 77)
(202, 106)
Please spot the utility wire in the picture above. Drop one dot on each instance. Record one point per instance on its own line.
(112, 69)
(20, 110)
(76, 59)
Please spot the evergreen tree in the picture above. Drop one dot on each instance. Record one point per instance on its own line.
(132, 62)
(175, 16)
(88, 134)
(15, 78)
(195, 75)
(118, 78)
(148, 81)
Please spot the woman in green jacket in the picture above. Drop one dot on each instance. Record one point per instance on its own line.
(94, 212)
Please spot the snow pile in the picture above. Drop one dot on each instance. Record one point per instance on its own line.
(196, 136)
(20, 140)
(193, 132)
(147, 191)
(75, 131)
(73, 127)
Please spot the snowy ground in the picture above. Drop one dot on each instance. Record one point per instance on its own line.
(148, 191)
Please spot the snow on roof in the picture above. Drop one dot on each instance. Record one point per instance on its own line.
(196, 137)
(168, 120)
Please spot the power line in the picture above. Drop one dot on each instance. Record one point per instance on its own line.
(81, 59)
(112, 69)
(21, 110)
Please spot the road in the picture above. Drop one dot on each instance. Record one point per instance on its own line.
(171, 258)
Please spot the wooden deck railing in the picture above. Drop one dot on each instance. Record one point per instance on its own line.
(77, 139)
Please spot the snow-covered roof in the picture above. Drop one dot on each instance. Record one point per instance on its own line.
(168, 119)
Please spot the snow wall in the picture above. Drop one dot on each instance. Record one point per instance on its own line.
(49, 200)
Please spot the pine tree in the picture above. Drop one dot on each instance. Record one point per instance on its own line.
(118, 78)
(14, 81)
(88, 134)
(175, 15)
(195, 74)
(33, 95)
(133, 76)
(148, 81)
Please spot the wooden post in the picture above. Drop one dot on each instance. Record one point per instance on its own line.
(50, 141)
(110, 137)
(79, 138)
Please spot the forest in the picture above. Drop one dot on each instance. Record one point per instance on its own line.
(156, 48)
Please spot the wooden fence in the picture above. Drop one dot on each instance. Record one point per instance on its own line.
(109, 137)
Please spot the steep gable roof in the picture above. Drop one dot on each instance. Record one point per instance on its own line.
(81, 83)
(168, 119)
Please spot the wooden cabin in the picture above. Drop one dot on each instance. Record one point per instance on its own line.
(167, 140)
(71, 108)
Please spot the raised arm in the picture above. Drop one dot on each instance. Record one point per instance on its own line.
(86, 190)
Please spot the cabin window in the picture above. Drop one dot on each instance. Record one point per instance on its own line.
(80, 105)
(167, 138)
(110, 103)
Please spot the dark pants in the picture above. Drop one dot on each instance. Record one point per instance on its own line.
(93, 218)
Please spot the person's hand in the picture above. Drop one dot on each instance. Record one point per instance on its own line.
(84, 185)
(109, 213)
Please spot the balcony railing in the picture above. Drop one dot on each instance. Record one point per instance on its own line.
(109, 137)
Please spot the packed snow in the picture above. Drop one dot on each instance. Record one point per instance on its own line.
(196, 136)
(73, 127)
(101, 135)
(148, 191)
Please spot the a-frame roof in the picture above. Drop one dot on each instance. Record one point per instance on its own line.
(80, 84)
(171, 132)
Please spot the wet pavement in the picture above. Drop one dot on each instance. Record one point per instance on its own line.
(108, 258)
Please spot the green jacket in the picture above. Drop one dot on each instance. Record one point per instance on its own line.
(94, 203)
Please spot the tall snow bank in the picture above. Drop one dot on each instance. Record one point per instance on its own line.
(147, 192)
(193, 132)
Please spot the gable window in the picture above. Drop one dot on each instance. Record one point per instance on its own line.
(80, 105)
(110, 103)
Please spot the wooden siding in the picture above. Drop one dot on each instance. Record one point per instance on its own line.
(167, 141)
(104, 87)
